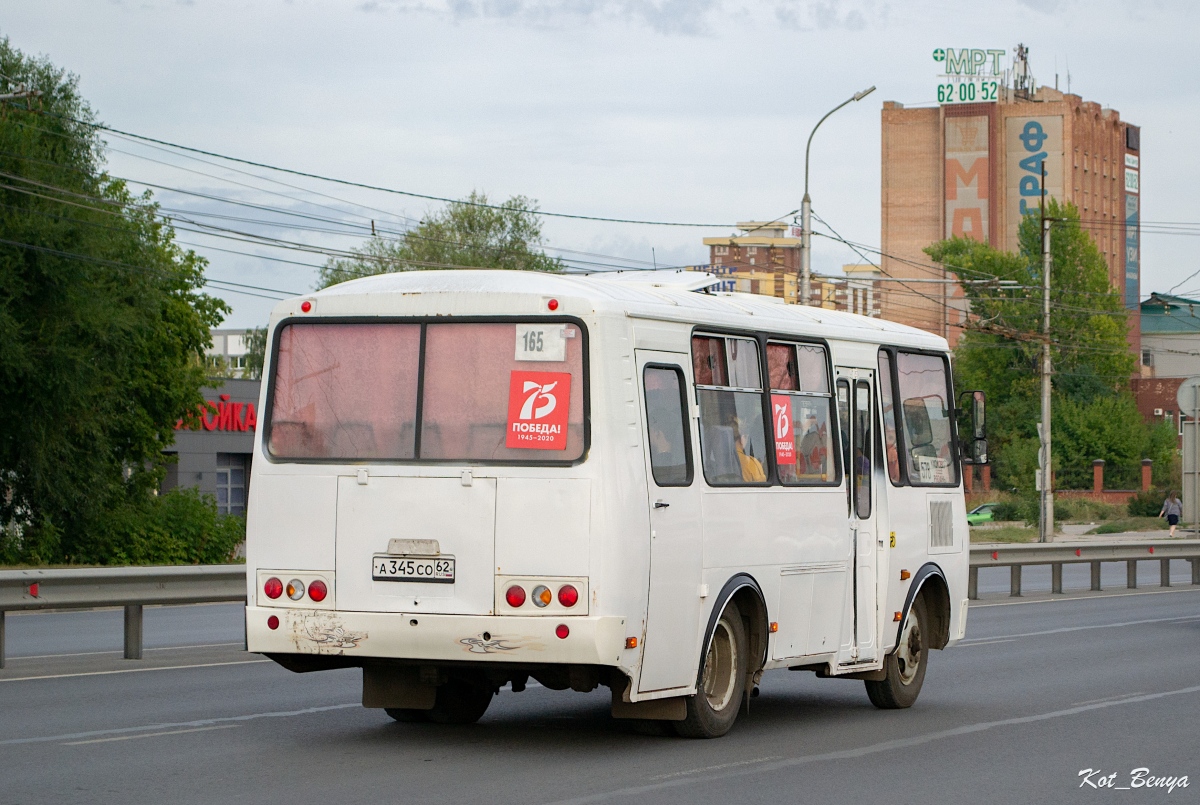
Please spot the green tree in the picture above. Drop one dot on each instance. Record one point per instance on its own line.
(1094, 414)
(103, 324)
(465, 234)
(256, 351)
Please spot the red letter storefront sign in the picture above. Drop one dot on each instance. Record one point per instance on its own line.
(538, 403)
(785, 442)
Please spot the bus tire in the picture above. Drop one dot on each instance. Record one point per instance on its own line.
(460, 702)
(722, 683)
(905, 667)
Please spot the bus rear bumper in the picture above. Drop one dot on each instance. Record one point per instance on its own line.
(481, 638)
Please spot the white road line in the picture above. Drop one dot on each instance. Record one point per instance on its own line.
(1109, 698)
(1089, 597)
(96, 653)
(983, 642)
(1180, 619)
(203, 722)
(132, 670)
(152, 735)
(870, 749)
(718, 767)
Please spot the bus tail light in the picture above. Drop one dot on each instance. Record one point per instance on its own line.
(295, 589)
(568, 596)
(273, 588)
(561, 631)
(515, 596)
(542, 596)
(317, 591)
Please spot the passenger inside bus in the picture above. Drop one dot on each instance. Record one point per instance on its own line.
(752, 468)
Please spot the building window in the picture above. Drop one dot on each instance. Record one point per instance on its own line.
(1147, 357)
(720, 250)
(231, 483)
(751, 250)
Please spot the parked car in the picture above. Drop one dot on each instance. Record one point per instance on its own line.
(981, 514)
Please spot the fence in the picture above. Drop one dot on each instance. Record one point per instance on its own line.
(136, 587)
(1015, 557)
(129, 587)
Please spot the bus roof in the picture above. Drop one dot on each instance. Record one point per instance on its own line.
(655, 295)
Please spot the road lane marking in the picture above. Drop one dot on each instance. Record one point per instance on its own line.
(132, 670)
(117, 651)
(1090, 597)
(985, 641)
(863, 751)
(1061, 630)
(152, 734)
(1109, 698)
(718, 767)
(202, 722)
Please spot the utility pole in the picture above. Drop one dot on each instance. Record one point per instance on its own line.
(1046, 525)
(806, 206)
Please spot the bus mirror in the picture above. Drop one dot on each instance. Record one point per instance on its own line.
(979, 451)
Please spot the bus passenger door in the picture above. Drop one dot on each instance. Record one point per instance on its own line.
(856, 417)
(669, 652)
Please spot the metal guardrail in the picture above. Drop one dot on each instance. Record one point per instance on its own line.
(128, 587)
(136, 587)
(1057, 554)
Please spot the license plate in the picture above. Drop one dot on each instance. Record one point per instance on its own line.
(434, 569)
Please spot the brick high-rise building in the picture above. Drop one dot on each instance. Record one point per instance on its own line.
(974, 169)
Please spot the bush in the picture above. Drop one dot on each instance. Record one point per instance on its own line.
(1028, 510)
(1147, 504)
(176, 528)
(1090, 511)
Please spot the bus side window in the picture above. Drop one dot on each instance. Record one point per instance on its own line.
(733, 440)
(862, 450)
(666, 426)
(801, 414)
(843, 404)
(925, 409)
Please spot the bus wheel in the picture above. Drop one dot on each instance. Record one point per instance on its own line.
(407, 715)
(460, 702)
(905, 667)
(714, 708)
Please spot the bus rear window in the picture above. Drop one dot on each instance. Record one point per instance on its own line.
(490, 392)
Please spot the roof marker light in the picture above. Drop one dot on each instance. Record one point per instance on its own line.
(306, 306)
(552, 304)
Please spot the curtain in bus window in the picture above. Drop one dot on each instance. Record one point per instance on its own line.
(923, 387)
(345, 391)
(862, 450)
(889, 417)
(480, 383)
(733, 439)
(666, 426)
(801, 422)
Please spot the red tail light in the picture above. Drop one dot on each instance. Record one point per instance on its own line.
(568, 596)
(515, 596)
(561, 631)
(273, 622)
(273, 588)
(317, 591)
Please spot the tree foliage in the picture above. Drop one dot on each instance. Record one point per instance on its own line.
(103, 323)
(464, 234)
(1094, 413)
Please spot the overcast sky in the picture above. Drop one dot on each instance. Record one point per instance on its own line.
(673, 110)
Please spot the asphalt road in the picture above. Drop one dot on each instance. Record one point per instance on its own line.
(1040, 691)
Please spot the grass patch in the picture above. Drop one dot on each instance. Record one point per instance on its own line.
(1010, 533)
(1132, 524)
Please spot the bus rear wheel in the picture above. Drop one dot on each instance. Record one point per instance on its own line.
(714, 708)
(904, 667)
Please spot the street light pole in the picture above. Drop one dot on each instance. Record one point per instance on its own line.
(806, 206)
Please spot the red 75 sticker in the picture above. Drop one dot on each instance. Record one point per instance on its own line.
(538, 404)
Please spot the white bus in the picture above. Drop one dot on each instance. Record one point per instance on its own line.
(467, 479)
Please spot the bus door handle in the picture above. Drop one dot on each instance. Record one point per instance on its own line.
(658, 504)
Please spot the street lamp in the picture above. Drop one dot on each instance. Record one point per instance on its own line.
(806, 207)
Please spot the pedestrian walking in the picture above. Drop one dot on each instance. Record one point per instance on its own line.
(1172, 509)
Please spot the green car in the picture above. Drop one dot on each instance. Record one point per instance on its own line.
(980, 514)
